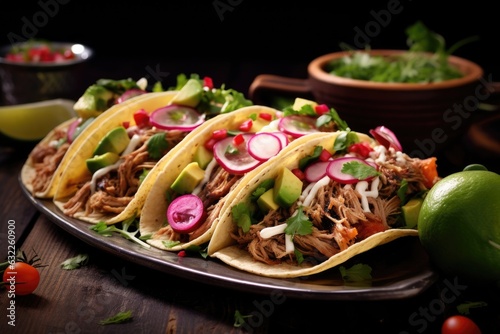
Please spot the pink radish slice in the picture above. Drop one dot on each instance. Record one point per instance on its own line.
(176, 117)
(283, 137)
(235, 160)
(133, 92)
(334, 170)
(297, 126)
(70, 134)
(264, 145)
(386, 137)
(185, 213)
(316, 171)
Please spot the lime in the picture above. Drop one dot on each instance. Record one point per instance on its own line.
(459, 225)
(190, 94)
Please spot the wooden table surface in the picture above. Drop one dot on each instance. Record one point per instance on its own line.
(75, 301)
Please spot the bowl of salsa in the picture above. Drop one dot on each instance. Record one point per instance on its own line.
(35, 70)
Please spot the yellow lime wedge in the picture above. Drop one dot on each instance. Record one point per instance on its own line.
(190, 94)
(33, 121)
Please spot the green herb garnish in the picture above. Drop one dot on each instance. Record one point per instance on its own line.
(118, 318)
(75, 262)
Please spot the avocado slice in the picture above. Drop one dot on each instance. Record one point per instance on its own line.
(203, 156)
(100, 161)
(116, 141)
(190, 94)
(94, 101)
(411, 211)
(266, 201)
(188, 179)
(287, 188)
(300, 102)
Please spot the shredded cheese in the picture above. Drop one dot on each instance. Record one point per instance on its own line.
(373, 192)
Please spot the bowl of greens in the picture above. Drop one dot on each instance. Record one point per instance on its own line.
(424, 94)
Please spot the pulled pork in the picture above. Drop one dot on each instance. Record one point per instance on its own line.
(337, 216)
(115, 190)
(45, 159)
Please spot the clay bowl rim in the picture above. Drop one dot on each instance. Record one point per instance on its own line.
(473, 72)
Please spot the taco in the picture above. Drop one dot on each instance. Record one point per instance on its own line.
(115, 168)
(183, 205)
(308, 211)
(41, 172)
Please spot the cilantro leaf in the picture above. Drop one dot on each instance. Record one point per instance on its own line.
(262, 188)
(464, 308)
(315, 155)
(75, 262)
(107, 230)
(118, 318)
(242, 216)
(359, 170)
(357, 273)
(157, 144)
(298, 224)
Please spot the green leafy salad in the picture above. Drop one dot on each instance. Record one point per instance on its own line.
(425, 62)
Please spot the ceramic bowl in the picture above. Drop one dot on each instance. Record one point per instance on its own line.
(27, 82)
(424, 116)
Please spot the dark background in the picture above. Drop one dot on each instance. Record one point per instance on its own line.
(278, 37)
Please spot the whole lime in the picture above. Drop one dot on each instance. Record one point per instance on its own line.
(459, 225)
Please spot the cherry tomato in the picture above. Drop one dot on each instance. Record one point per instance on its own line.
(25, 276)
(459, 324)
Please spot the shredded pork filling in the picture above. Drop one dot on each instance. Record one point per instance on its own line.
(337, 216)
(45, 159)
(117, 188)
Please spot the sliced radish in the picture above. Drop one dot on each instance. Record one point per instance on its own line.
(386, 137)
(235, 160)
(334, 170)
(185, 213)
(133, 92)
(263, 146)
(316, 171)
(176, 117)
(70, 134)
(283, 137)
(297, 126)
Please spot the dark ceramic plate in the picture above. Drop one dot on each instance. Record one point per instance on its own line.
(400, 269)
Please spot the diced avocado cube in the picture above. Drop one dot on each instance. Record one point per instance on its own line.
(116, 141)
(411, 211)
(93, 102)
(100, 161)
(300, 102)
(287, 188)
(190, 94)
(203, 156)
(266, 201)
(188, 179)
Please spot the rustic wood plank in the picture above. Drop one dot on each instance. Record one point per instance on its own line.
(77, 300)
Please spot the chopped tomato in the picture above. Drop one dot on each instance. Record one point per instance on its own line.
(266, 116)
(321, 109)
(368, 228)
(219, 134)
(209, 144)
(298, 173)
(362, 148)
(208, 82)
(429, 171)
(238, 139)
(325, 155)
(141, 118)
(246, 125)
